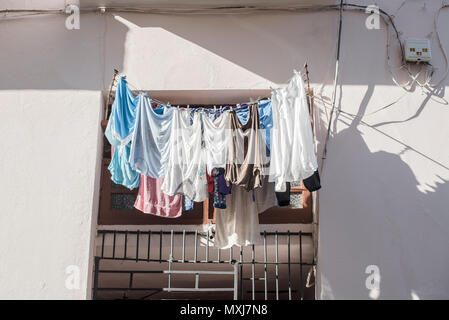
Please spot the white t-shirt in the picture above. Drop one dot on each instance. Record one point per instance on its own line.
(186, 169)
(215, 136)
(292, 146)
(238, 224)
(150, 147)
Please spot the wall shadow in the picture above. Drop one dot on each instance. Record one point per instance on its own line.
(398, 228)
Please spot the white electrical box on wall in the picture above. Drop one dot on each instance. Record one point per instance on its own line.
(417, 50)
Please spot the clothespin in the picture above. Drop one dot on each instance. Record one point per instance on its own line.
(215, 108)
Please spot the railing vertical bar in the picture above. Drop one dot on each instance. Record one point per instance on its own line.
(113, 244)
(196, 246)
(137, 245)
(301, 288)
(102, 246)
(131, 276)
(218, 255)
(277, 265)
(241, 273)
(183, 246)
(230, 255)
(236, 280)
(289, 268)
(160, 247)
(170, 259)
(126, 244)
(149, 245)
(207, 246)
(171, 245)
(96, 273)
(253, 272)
(265, 265)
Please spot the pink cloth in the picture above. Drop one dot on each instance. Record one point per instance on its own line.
(152, 200)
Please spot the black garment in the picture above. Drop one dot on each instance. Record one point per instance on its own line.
(284, 197)
(312, 183)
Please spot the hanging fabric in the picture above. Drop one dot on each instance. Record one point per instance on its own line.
(186, 170)
(152, 200)
(216, 136)
(292, 147)
(265, 121)
(221, 189)
(150, 148)
(246, 152)
(119, 133)
(238, 224)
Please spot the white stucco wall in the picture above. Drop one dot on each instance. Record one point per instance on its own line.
(384, 200)
(384, 192)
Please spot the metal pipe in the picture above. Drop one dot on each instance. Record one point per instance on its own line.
(113, 245)
(196, 244)
(96, 273)
(126, 245)
(253, 273)
(265, 264)
(289, 277)
(102, 246)
(277, 265)
(301, 281)
(160, 247)
(207, 246)
(193, 232)
(241, 273)
(183, 245)
(149, 246)
(137, 246)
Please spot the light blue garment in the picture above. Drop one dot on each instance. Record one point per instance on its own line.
(123, 115)
(265, 119)
(150, 146)
(121, 171)
(119, 133)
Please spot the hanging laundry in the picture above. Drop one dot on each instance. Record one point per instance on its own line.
(238, 224)
(283, 198)
(188, 204)
(150, 148)
(292, 147)
(221, 189)
(210, 183)
(313, 182)
(216, 137)
(119, 134)
(246, 151)
(152, 200)
(186, 170)
(265, 120)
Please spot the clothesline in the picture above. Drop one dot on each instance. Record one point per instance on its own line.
(208, 106)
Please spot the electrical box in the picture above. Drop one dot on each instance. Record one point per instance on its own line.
(417, 50)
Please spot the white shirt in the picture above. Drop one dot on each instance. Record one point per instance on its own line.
(215, 136)
(292, 146)
(186, 169)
